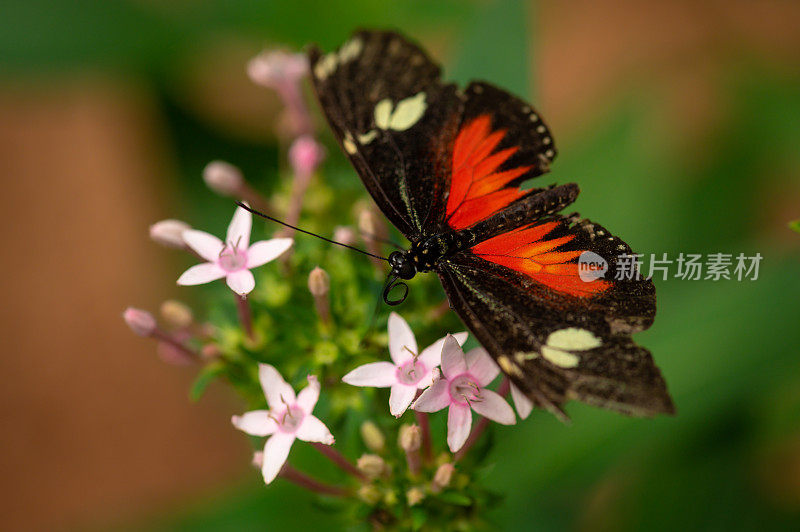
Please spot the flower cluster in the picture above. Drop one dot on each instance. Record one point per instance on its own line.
(448, 377)
(293, 321)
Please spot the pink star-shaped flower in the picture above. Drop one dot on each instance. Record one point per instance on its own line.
(409, 370)
(462, 387)
(288, 418)
(232, 259)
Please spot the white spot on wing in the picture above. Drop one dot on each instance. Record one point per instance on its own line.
(383, 113)
(560, 358)
(508, 367)
(325, 66)
(573, 339)
(349, 145)
(562, 344)
(408, 112)
(368, 137)
(351, 49)
(522, 356)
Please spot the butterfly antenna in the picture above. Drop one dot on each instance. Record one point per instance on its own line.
(290, 226)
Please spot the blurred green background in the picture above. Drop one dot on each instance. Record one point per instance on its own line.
(680, 121)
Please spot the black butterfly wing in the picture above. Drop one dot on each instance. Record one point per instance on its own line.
(556, 335)
(393, 116)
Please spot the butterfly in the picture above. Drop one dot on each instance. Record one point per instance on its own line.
(445, 166)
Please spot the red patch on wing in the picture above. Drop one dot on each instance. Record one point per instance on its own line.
(476, 187)
(526, 251)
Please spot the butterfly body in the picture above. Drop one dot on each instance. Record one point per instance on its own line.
(427, 251)
(426, 254)
(445, 166)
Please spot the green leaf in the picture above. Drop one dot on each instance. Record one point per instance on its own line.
(207, 374)
(454, 497)
(795, 226)
(418, 517)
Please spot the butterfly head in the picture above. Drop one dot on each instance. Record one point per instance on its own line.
(402, 266)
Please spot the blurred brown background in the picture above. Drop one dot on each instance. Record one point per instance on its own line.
(98, 430)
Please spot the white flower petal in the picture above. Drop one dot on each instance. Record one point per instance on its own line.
(255, 423)
(402, 344)
(239, 229)
(206, 245)
(264, 251)
(431, 356)
(375, 374)
(276, 450)
(276, 390)
(434, 398)
(459, 423)
(312, 429)
(481, 366)
(201, 274)
(521, 402)
(400, 398)
(241, 282)
(494, 407)
(308, 396)
(453, 361)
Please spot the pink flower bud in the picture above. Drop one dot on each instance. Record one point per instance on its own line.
(223, 178)
(410, 438)
(276, 68)
(367, 222)
(210, 352)
(305, 155)
(369, 494)
(442, 477)
(344, 234)
(415, 496)
(373, 437)
(169, 233)
(258, 459)
(174, 355)
(319, 283)
(371, 465)
(140, 321)
(371, 226)
(176, 314)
